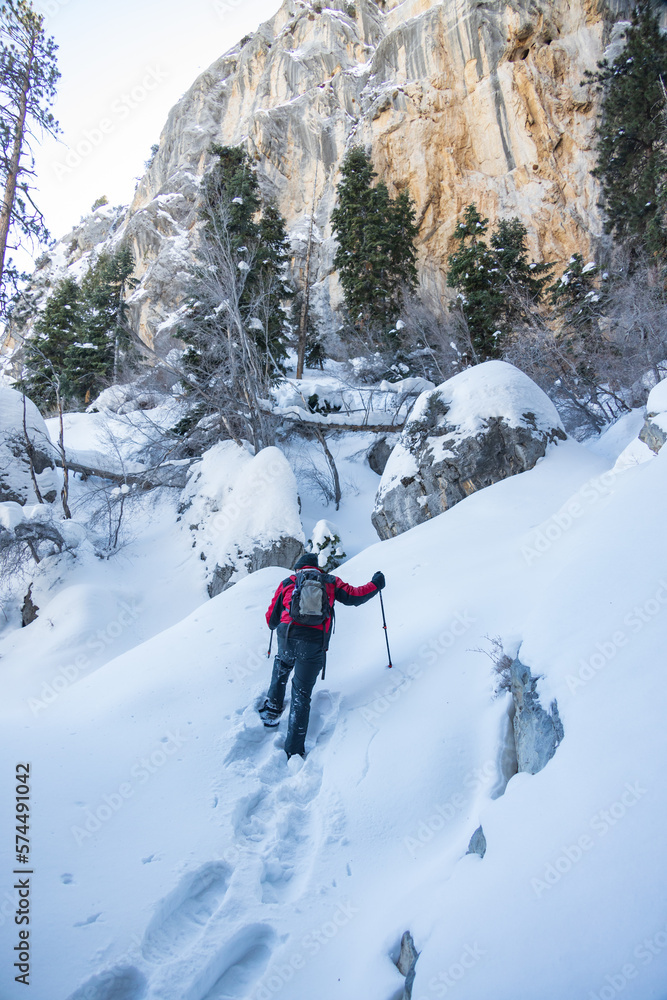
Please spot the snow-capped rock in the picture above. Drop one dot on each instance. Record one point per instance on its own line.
(481, 426)
(16, 482)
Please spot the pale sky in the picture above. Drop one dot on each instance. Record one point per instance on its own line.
(124, 64)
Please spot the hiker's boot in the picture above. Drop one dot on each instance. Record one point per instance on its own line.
(270, 715)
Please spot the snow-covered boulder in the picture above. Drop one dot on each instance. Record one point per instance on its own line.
(481, 426)
(243, 510)
(16, 482)
(654, 431)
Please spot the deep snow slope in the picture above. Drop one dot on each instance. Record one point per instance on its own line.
(177, 856)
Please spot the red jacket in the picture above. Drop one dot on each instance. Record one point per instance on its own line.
(337, 590)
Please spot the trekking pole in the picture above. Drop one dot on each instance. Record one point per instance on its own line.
(268, 655)
(384, 626)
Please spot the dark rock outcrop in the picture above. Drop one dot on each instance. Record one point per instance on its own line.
(407, 960)
(477, 843)
(537, 733)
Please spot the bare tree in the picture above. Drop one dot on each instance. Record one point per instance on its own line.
(226, 372)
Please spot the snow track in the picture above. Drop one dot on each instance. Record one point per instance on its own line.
(187, 952)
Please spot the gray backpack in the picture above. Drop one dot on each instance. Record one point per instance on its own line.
(310, 602)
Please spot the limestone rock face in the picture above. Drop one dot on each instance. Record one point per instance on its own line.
(483, 425)
(458, 101)
(16, 482)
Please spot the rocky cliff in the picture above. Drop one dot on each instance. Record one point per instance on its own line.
(459, 101)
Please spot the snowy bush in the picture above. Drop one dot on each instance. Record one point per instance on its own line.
(326, 544)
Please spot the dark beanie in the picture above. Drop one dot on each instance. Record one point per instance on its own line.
(308, 559)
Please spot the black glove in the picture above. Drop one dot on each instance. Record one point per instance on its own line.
(378, 580)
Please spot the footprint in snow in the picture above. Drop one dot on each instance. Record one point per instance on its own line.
(250, 816)
(121, 983)
(324, 713)
(182, 916)
(250, 739)
(236, 967)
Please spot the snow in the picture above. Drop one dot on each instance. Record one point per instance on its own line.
(116, 442)
(178, 857)
(657, 400)
(15, 477)
(236, 501)
(466, 403)
(492, 389)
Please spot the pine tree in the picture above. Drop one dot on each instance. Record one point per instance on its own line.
(376, 236)
(104, 336)
(256, 239)
(82, 333)
(631, 157)
(237, 324)
(474, 272)
(580, 296)
(497, 285)
(523, 282)
(46, 353)
(28, 77)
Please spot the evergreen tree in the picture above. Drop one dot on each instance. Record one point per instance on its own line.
(47, 352)
(236, 327)
(497, 285)
(474, 272)
(580, 297)
(376, 235)
(104, 334)
(82, 333)
(255, 242)
(28, 77)
(631, 158)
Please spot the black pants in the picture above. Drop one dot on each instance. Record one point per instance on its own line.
(307, 657)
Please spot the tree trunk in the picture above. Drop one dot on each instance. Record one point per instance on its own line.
(14, 161)
(64, 493)
(332, 465)
(31, 456)
(303, 321)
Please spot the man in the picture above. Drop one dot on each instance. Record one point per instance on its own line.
(304, 646)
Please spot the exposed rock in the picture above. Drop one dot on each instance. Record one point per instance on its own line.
(459, 102)
(283, 552)
(378, 454)
(653, 435)
(654, 431)
(29, 609)
(537, 733)
(483, 425)
(17, 453)
(407, 960)
(477, 843)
